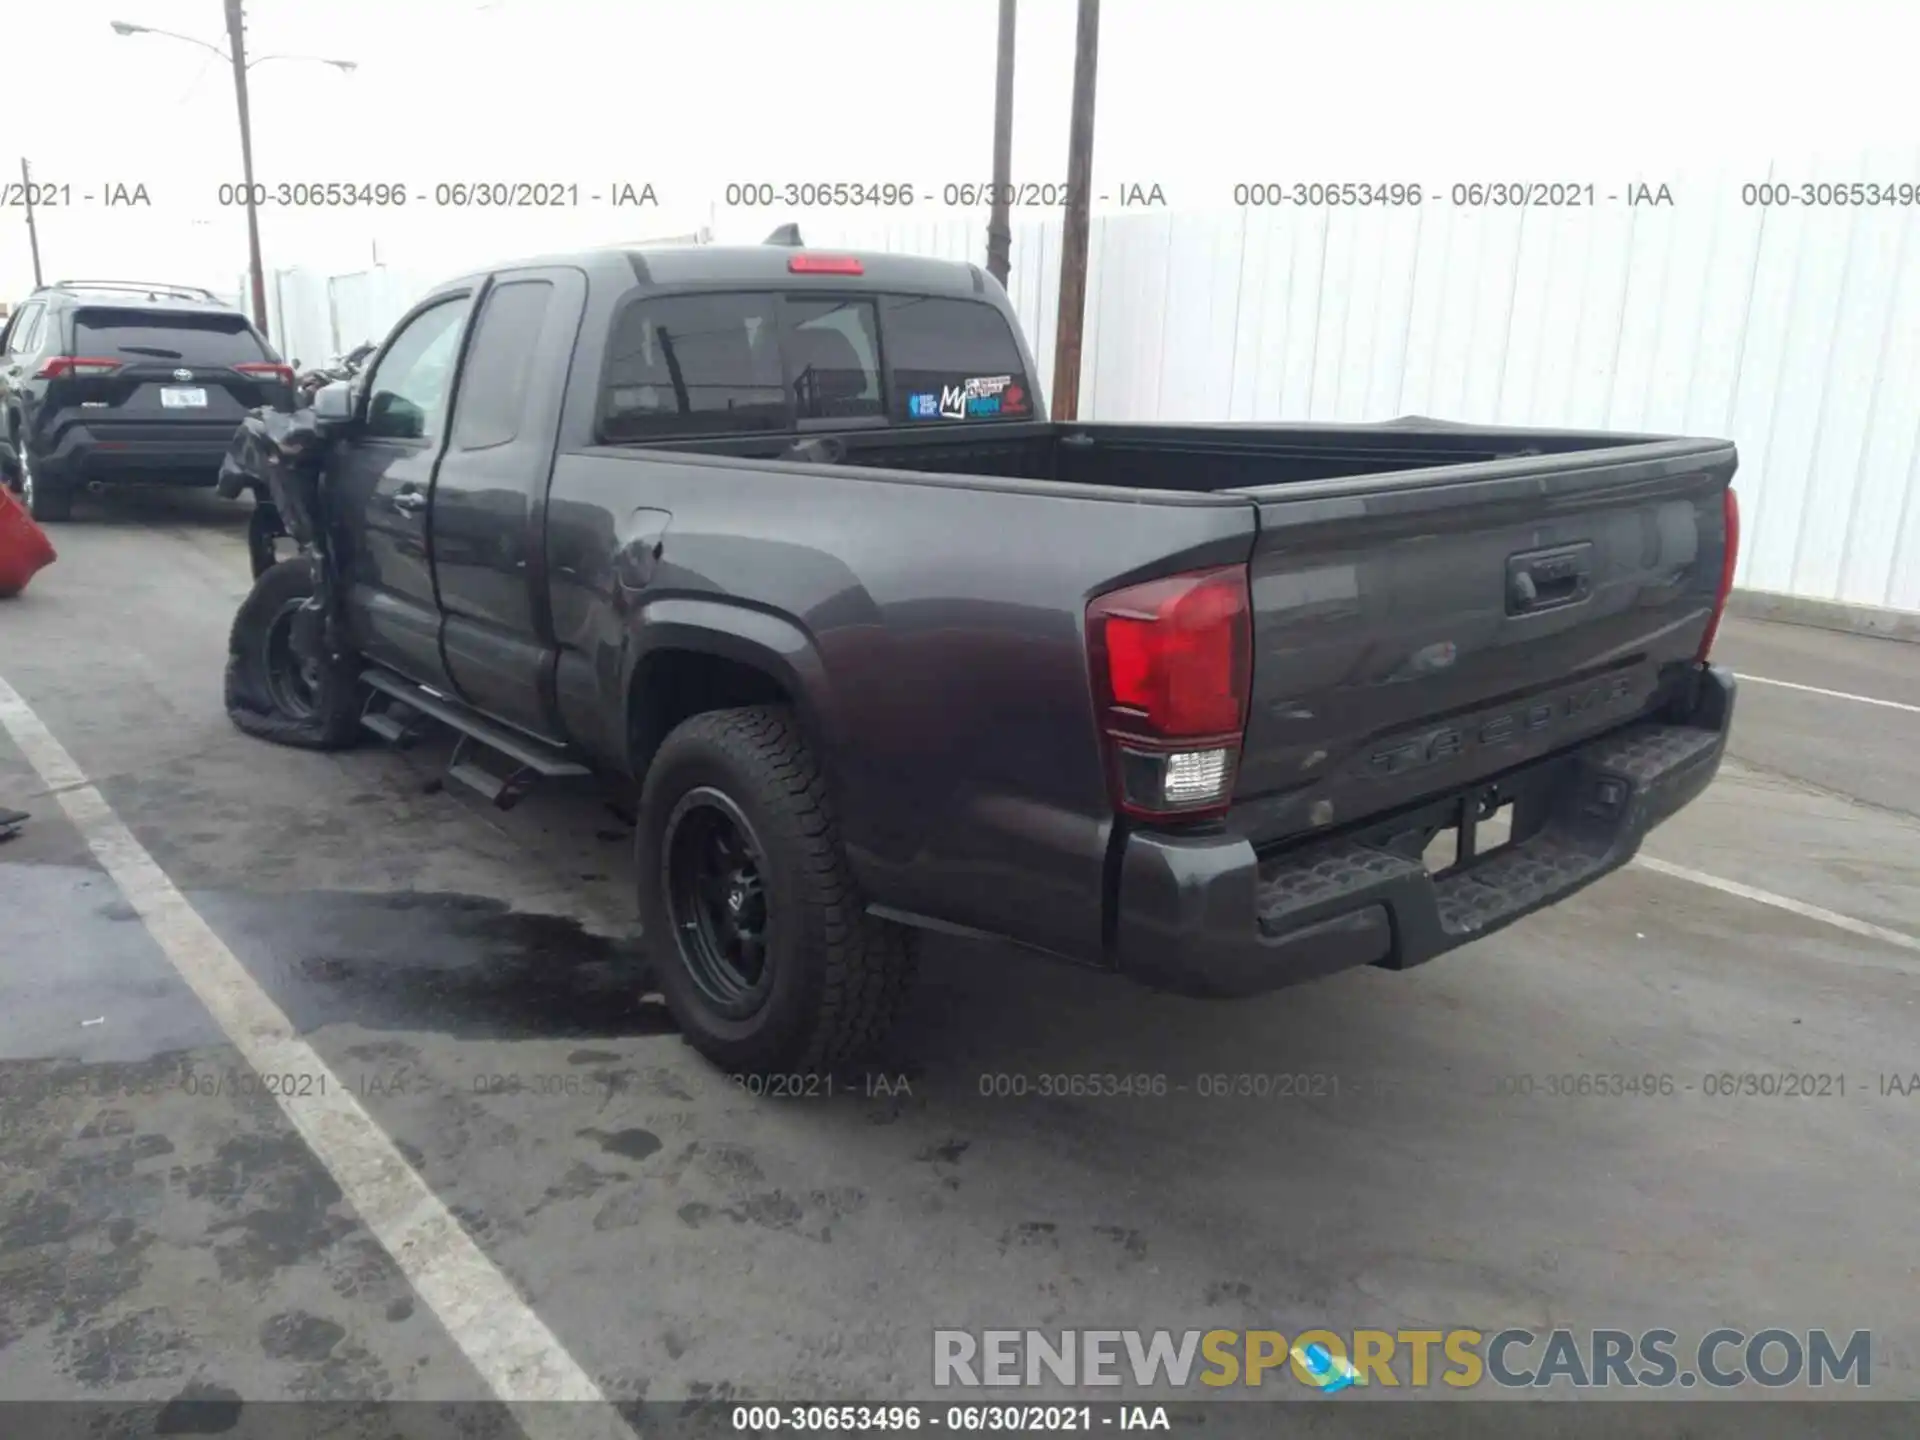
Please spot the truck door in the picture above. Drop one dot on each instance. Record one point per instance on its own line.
(489, 496)
(382, 478)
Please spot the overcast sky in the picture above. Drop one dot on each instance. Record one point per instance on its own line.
(1194, 95)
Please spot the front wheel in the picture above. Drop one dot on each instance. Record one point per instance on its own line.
(281, 686)
(765, 952)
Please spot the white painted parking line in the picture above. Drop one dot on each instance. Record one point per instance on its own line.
(519, 1358)
(1830, 694)
(1781, 902)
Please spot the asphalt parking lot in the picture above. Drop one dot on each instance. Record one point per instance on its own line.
(165, 1228)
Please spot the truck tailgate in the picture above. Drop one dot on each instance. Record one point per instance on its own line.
(1420, 632)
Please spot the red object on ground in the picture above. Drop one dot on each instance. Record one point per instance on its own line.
(24, 548)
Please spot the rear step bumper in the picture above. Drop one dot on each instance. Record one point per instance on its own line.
(1206, 916)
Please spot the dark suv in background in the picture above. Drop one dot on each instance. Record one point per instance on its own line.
(113, 382)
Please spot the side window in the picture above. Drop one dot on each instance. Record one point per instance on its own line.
(494, 387)
(408, 392)
(833, 354)
(694, 365)
(26, 329)
(953, 360)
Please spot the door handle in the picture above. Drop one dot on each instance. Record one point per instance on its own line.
(1548, 579)
(409, 501)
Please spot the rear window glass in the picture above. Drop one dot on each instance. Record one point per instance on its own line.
(194, 339)
(694, 365)
(953, 360)
(833, 354)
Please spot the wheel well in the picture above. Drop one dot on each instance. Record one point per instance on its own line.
(674, 685)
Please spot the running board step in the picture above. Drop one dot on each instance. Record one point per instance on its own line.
(394, 721)
(502, 791)
(399, 710)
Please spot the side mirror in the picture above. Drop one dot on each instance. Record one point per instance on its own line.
(398, 417)
(336, 406)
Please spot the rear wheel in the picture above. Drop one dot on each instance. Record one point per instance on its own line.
(44, 499)
(765, 952)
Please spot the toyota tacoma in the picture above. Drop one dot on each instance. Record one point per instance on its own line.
(786, 539)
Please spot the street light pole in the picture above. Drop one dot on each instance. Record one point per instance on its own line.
(237, 52)
(236, 55)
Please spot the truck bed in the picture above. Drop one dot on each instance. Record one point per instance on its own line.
(1192, 458)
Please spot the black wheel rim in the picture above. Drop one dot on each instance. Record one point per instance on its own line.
(293, 679)
(716, 897)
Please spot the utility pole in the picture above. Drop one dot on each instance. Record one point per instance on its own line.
(237, 49)
(33, 230)
(1073, 252)
(999, 233)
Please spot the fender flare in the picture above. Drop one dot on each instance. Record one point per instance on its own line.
(764, 640)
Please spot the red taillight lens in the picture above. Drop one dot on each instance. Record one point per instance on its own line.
(1728, 560)
(61, 366)
(1177, 652)
(825, 265)
(1172, 669)
(282, 373)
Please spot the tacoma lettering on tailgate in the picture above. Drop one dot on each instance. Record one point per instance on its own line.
(1448, 742)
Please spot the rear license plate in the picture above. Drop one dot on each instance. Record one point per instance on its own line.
(175, 397)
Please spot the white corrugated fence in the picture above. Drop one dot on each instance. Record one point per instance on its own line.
(1793, 330)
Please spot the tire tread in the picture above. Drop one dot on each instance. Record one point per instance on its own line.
(868, 964)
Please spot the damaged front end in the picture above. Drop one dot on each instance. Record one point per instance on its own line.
(280, 456)
(290, 673)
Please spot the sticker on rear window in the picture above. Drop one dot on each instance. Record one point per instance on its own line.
(976, 397)
(925, 406)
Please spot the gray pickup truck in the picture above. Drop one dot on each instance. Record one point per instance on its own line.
(786, 539)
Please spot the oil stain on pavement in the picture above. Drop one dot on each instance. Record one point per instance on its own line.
(462, 965)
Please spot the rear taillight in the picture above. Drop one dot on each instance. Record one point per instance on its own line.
(282, 373)
(1730, 557)
(61, 366)
(1172, 668)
